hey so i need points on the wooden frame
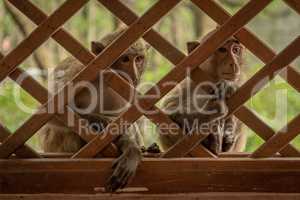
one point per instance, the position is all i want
(209, 174)
(192, 196)
(178, 175)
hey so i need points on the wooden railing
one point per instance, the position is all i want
(208, 173)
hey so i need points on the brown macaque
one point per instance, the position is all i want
(55, 137)
(201, 107)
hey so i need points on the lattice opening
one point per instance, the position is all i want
(296, 64)
(148, 130)
(251, 66)
(45, 7)
(86, 30)
(296, 142)
(186, 20)
(20, 104)
(139, 7)
(232, 6)
(277, 101)
(152, 76)
(253, 139)
(11, 41)
(279, 36)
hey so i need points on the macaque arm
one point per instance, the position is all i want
(229, 131)
(125, 166)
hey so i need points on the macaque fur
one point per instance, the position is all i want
(55, 137)
(224, 66)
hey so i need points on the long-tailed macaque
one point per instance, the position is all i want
(192, 105)
(55, 137)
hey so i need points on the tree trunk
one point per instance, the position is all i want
(24, 27)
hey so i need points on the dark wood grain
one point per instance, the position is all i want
(156, 175)
(136, 196)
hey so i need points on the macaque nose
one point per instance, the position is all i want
(235, 51)
(234, 68)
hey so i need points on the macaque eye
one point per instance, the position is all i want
(139, 59)
(125, 59)
(236, 50)
(222, 50)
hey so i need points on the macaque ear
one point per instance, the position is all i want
(97, 47)
(192, 45)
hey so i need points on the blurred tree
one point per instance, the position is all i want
(24, 27)
(198, 18)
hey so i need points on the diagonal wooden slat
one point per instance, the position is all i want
(184, 145)
(219, 15)
(158, 117)
(192, 141)
(265, 54)
(24, 151)
(267, 73)
(257, 125)
(199, 55)
(41, 94)
(160, 44)
(85, 134)
(263, 130)
(163, 46)
(37, 90)
(252, 86)
(260, 49)
(30, 85)
(255, 45)
(26, 7)
(38, 36)
(102, 61)
(61, 36)
(295, 4)
(278, 141)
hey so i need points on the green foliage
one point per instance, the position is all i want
(10, 113)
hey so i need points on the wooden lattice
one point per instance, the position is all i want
(193, 173)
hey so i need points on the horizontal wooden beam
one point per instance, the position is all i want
(153, 176)
(130, 196)
(155, 155)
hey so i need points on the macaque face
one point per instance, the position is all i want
(131, 64)
(225, 63)
(227, 60)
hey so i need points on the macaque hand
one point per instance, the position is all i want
(226, 89)
(220, 110)
(228, 141)
(124, 169)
